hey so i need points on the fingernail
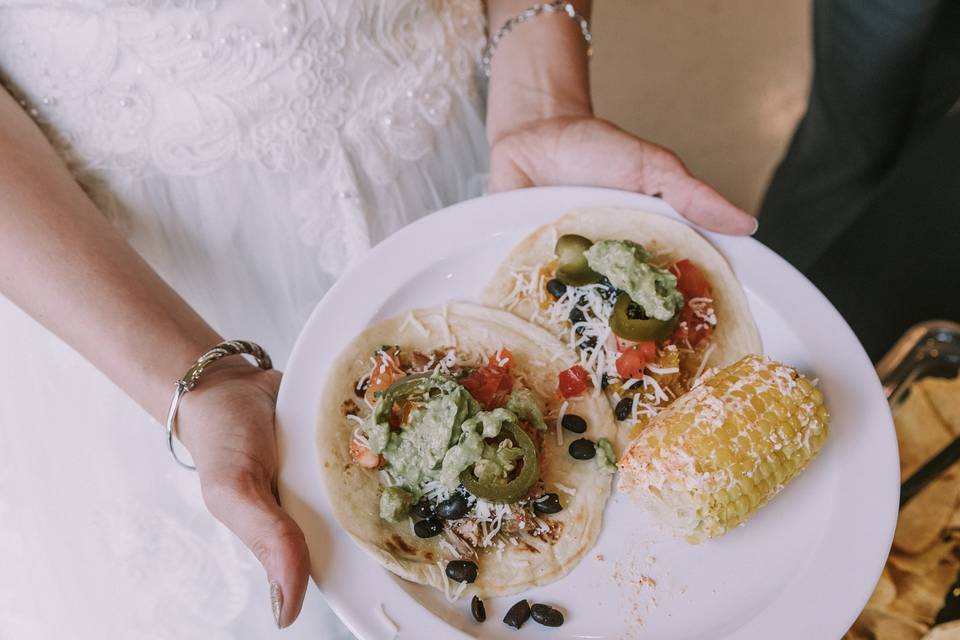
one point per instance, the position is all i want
(756, 225)
(276, 602)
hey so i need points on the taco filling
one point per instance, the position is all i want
(642, 324)
(457, 448)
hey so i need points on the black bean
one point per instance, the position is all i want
(624, 408)
(453, 508)
(582, 449)
(422, 508)
(462, 570)
(556, 288)
(518, 614)
(548, 503)
(428, 528)
(546, 615)
(477, 609)
(361, 387)
(604, 381)
(573, 422)
(576, 315)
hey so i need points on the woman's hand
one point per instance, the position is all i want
(227, 424)
(542, 130)
(584, 150)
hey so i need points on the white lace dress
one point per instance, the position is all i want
(250, 150)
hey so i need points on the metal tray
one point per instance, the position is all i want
(928, 349)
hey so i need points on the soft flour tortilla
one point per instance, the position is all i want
(539, 357)
(736, 334)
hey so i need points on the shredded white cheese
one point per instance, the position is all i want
(662, 371)
(703, 362)
(500, 511)
(459, 591)
(445, 580)
(564, 488)
(563, 412)
(446, 325)
(449, 548)
(411, 320)
(649, 382)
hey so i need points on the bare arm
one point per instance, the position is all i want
(539, 70)
(542, 129)
(65, 265)
(62, 262)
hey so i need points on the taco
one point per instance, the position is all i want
(647, 303)
(443, 454)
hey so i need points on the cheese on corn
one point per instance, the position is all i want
(707, 462)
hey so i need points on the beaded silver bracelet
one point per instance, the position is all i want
(557, 6)
(190, 379)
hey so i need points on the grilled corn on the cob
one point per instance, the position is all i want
(722, 450)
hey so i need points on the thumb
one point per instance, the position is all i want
(505, 173)
(702, 205)
(247, 505)
(664, 173)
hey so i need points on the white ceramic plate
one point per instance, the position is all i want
(801, 568)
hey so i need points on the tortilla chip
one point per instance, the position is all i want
(885, 592)
(925, 516)
(944, 396)
(858, 632)
(940, 554)
(881, 624)
(921, 433)
(945, 631)
(920, 597)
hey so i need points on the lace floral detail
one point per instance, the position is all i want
(198, 578)
(337, 92)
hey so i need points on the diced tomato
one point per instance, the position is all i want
(400, 415)
(490, 386)
(385, 370)
(648, 349)
(633, 361)
(690, 280)
(501, 358)
(379, 381)
(691, 329)
(573, 381)
(364, 457)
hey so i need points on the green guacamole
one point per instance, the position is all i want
(395, 503)
(443, 435)
(605, 458)
(521, 402)
(497, 462)
(413, 454)
(471, 449)
(625, 265)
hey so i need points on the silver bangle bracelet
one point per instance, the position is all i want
(557, 6)
(189, 380)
